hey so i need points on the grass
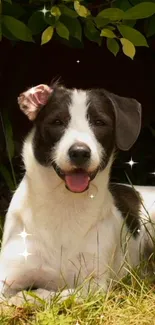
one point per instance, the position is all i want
(127, 304)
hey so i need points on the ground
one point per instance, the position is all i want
(126, 304)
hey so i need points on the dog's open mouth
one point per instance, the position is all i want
(77, 180)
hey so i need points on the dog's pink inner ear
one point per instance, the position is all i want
(32, 100)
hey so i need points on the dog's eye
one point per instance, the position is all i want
(57, 122)
(98, 123)
(94, 121)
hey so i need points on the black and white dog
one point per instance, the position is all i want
(66, 223)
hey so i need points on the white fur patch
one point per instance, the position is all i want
(78, 131)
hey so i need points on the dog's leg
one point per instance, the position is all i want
(13, 279)
(39, 296)
(17, 272)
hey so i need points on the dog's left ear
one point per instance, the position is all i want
(127, 120)
(32, 100)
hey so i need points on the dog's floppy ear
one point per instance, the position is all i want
(31, 101)
(127, 120)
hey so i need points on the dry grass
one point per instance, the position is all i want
(132, 304)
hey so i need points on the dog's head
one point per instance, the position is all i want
(76, 131)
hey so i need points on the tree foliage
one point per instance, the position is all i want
(120, 24)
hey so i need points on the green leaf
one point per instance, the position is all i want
(62, 30)
(9, 1)
(101, 22)
(49, 19)
(112, 46)
(142, 10)
(9, 137)
(17, 28)
(112, 14)
(91, 32)
(111, 27)
(107, 33)
(73, 25)
(150, 30)
(152, 130)
(36, 23)
(136, 2)
(47, 35)
(14, 9)
(7, 34)
(132, 35)
(67, 11)
(81, 10)
(128, 48)
(55, 11)
(130, 23)
(7, 177)
(122, 4)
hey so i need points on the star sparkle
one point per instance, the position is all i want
(131, 163)
(24, 234)
(78, 61)
(44, 11)
(25, 254)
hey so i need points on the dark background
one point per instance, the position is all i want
(23, 65)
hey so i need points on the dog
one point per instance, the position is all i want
(66, 222)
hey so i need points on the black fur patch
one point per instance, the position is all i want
(102, 121)
(48, 132)
(128, 201)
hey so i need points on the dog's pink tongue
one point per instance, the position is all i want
(77, 181)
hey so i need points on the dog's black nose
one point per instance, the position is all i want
(79, 154)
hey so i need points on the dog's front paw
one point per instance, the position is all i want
(39, 296)
(20, 299)
(30, 297)
(65, 294)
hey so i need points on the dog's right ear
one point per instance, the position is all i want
(31, 101)
(127, 113)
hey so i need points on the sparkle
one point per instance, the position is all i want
(138, 230)
(25, 254)
(44, 11)
(153, 173)
(131, 163)
(92, 196)
(78, 61)
(23, 234)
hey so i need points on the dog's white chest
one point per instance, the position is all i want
(57, 240)
(69, 239)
